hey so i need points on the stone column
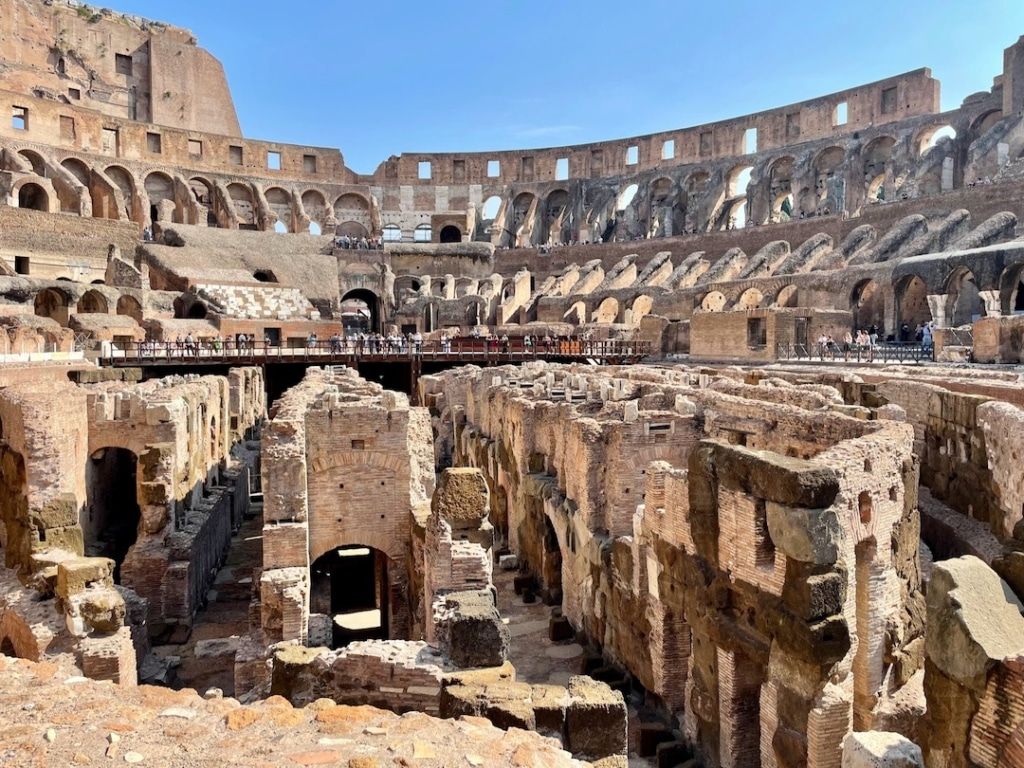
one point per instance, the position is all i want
(937, 305)
(993, 304)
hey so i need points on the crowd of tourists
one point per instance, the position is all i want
(861, 341)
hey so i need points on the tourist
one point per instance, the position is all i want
(847, 344)
(822, 345)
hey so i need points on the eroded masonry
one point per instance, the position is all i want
(701, 448)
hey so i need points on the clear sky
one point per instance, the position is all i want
(383, 77)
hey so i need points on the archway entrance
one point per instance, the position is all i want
(964, 304)
(868, 306)
(450, 234)
(350, 584)
(33, 197)
(111, 523)
(360, 311)
(912, 305)
(54, 304)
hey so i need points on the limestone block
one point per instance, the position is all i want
(974, 620)
(595, 725)
(807, 535)
(76, 574)
(461, 498)
(880, 749)
(470, 630)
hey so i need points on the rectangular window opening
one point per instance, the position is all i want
(668, 150)
(273, 161)
(195, 148)
(21, 265)
(358, 445)
(19, 118)
(154, 143)
(764, 547)
(111, 141)
(309, 163)
(235, 155)
(839, 114)
(562, 169)
(423, 169)
(122, 64)
(750, 141)
(74, 94)
(632, 155)
(493, 169)
(757, 333)
(793, 125)
(526, 168)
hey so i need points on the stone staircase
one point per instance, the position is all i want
(259, 302)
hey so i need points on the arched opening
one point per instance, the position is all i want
(450, 234)
(738, 181)
(245, 210)
(360, 311)
(265, 276)
(130, 306)
(280, 204)
(314, 229)
(7, 648)
(124, 181)
(488, 213)
(607, 311)
(202, 192)
(474, 313)
(964, 304)
(752, 298)
(33, 197)
(983, 124)
(829, 184)
(36, 161)
(422, 234)
(912, 305)
(780, 189)
(1011, 290)
(93, 302)
(867, 304)
(523, 210)
(351, 229)
(110, 525)
(160, 189)
(932, 136)
(197, 311)
(640, 308)
(391, 233)
(713, 302)
(354, 208)
(625, 198)
(83, 175)
(53, 303)
(557, 221)
(315, 206)
(576, 314)
(787, 297)
(877, 155)
(350, 584)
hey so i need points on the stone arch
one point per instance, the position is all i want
(876, 158)
(352, 584)
(125, 182)
(16, 638)
(361, 299)
(33, 197)
(867, 305)
(984, 122)
(786, 297)
(780, 189)
(352, 229)
(450, 234)
(929, 137)
(1011, 290)
(129, 306)
(93, 302)
(752, 298)
(626, 197)
(110, 524)
(475, 312)
(54, 303)
(912, 302)
(639, 308)
(576, 314)
(963, 301)
(714, 301)
(245, 207)
(35, 160)
(279, 202)
(78, 169)
(352, 207)
(202, 192)
(315, 206)
(159, 189)
(557, 218)
(607, 311)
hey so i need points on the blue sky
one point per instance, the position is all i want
(380, 78)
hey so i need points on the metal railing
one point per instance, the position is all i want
(346, 351)
(883, 352)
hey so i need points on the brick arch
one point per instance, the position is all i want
(16, 633)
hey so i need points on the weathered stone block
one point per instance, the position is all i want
(76, 574)
(807, 535)
(595, 720)
(879, 749)
(461, 498)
